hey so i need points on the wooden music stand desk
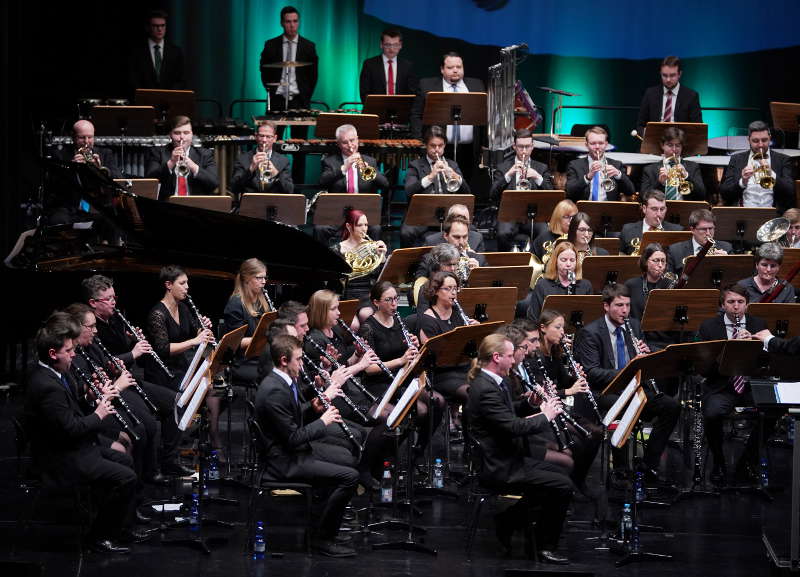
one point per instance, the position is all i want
(738, 223)
(786, 117)
(286, 208)
(578, 310)
(458, 346)
(528, 205)
(610, 215)
(507, 258)
(402, 264)
(431, 209)
(718, 271)
(497, 303)
(348, 310)
(259, 341)
(695, 137)
(124, 120)
(603, 270)
(498, 276)
(169, 103)
(678, 211)
(664, 237)
(215, 202)
(366, 125)
(146, 187)
(783, 319)
(791, 256)
(331, 207)
(389, 108)
(678, 310)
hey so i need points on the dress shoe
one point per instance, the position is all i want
(551, 557)
(718, 475)
(136, 535)
(330, 548)
(107, 546)
(504, 532)
(142, 519)
(176, 469)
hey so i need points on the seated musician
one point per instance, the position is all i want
(758, 177)
(723, 393)
(702, 224)
(654, 176)
(500, 425)
(792, 237)
(365, 254)
(442, 257)
(519, 173)
(64, 442)
(475, 239)
(558, 227)
(387, 73)
(262, 170)
(289, 424)
(431, 174)
(581, 234)
(556, 279)
(595, 177)
(654, 209)
(182, 169)
(768, 259)
(603, 348)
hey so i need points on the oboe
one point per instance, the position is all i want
(103, 376)
(365, 346)
(137, 334)
(121, 369)
(460, 311)
(576, 372)
(99, 396)
(550, 388)
(348, 401)
(336, 364)
(639, 351)
(327, 404)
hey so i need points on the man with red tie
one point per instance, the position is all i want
(386, 73)
(669, 101)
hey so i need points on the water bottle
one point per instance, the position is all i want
(260, 542)
(790, 431)
(213, 466)
(194, 512)
(764, 473)
(626, 523)
(438, 474)
(634, 541)
(386, 483)
(639, 487)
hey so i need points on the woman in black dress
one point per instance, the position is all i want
(556, 279)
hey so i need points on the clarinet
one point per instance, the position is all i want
(121, 368)
(197, 314)
(336, 364)
(460, 311)
(327, 404)
(628, 329)
(364, 345)
(99, 396)
(406, 334)
(103, 376)
(137, 334)
(550, 389)
(559, 425)
(574, 366)
(269, 301)
(348, 401)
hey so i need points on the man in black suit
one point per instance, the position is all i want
(587, 176)
(669, 101)
(723, 393)
(702, 224)
(654, 176)
(507, 176)
(182, 169)
(603, 348)
(741, 186)
(475, 239)
(778, 345)
(64, 441)
(654, 209)
(377, 71)
(246, 176)
(290, 424)
(156, 63)
(501, 427)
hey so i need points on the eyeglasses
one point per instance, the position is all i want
(450, 289)
(111, 299)
(390, 300)
(91, 326)
(567, 216)
(391, 44)
(705, 229)
(584, 229)
(657, 260)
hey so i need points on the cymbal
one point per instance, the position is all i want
(287, 64)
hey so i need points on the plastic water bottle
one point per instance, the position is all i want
(386, 483)
(638, 485)
(626, 523)
(213, 466)
(260, 542)
(764, 473)
(438, 474)
(194, 512)
(634, 540)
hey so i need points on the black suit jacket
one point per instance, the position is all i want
(332, 179)
(593, 350)
(204, 183)
(713, 329)
(680, 250)
(306, 75)
(499, 183)
(686, 106)
(650, 179)
(784, 346)
(142, 72)
(579, 189)
(783, 193)
(243, 181)
(632, 230)
(434, 84)
(373, 78)
(420, 168)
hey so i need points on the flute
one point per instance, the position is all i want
(99, 396)
(137, 334)
(576, 371)
(336, 364)
(327, 404)
(121, 369)
(103, 376)
(365, 346)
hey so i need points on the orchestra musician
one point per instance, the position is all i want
(156, 63)
(475, 238)
(654, 176)
(669, 101)
(581, 235)
(748, 171)
(355, 246)
(558, 227)
(442, 257)
(557, 278)
(595, 177)
(792, 237)
(653, 264)
(768, 259)
(654, 210)
(387, 73)
(182, 169)
(702, 224)
(502, 429)
(262, 170)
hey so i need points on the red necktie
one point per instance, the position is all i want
(668, 107)
(390, 79)
(351, 179)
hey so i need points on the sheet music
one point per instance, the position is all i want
(195, 378)
(788, 393)
(198, 354)
(616, 408)
(620, 434)
(387, 396)
(190, 411)
(410, 392)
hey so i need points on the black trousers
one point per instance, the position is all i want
(113, 484)
(164, 400)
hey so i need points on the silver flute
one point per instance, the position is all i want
(365, 346)
(336, 364)
(576, 371)
(99, 396)
(103, 376)
(121, 368)
(137, 334)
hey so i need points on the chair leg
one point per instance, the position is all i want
(309, 512)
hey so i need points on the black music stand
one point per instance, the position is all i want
(786, 117)
(719, 271)
(607, 269)
(528, 206)
(402, 264)
(124, 120)
(695, 136)
(499, 276)
(455, 108)
(366, 125)
(431, 209)
(489, 304)
(285, 208)
(146, 187)
(391, 109)
(331, 207)
(579, 310)
(739, 224)
(678, 211)
(168, 103)
(610, 215)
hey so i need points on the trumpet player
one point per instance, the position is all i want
(656, 175)
(181, 168)
(702, 224)
(595, 177)
(758, 177)
(654, 211)
(262, 169)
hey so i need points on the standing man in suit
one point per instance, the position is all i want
(702, 224)
(386, 73)
(199, 172)
(585, 175)
(604, 347)
(654, 209)
(654, 176)
(246, 176)
(740, 185)
(156, 63)
(723, 393)
(669, 101)
(290, 424)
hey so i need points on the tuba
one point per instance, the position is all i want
(762, 173)
(363, 259)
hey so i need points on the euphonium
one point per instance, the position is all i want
(523, 183)
(675, 177)
(762, 172)
(265, 177)
(364, 258)
(181, 167)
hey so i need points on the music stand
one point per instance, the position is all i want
(499, 276)
(146, 187)
(402, 264)
(786, 117)
(740, 224)
(718, 271)
(331, 207)
(616, 269)
(507, 258)
(578, 310)
(791, 258)
(431, 209)
(678, 211)
(610, 215)
(169, 103)
(124, 120)
(779, 317)
(348, 310)
(664, 237)
(259, 340)
(366, 125)
(390, 109)
(215, 202)
(528, 206)
(286, 208)
(668, 310)
(695, 137)
(455, 108)
(493, 303)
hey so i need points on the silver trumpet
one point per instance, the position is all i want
(78, 372)
(181, 167)
(451, 183)
(265, 177)
(139, 336)
(523, 182)
(608, 183)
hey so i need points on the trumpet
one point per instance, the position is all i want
(451, 183)
(265, 176)
(366, 172)
(608, 183)
(523, 183)
(181, 167)
(675, 175)
(762, 172)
